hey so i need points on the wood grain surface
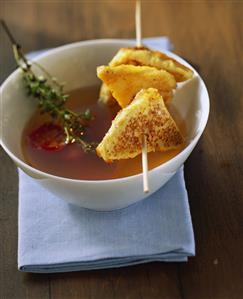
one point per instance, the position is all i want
(207, 33)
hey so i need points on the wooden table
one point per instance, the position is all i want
(206, 33)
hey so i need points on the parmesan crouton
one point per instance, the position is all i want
(143, 56)
(146, 115)
(125, 81)
(105, 96)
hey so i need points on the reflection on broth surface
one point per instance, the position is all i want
(70, 161)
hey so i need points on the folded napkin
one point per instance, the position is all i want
(55, 236)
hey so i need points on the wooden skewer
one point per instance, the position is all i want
(145, 165)
(138, 23)
(144, 141)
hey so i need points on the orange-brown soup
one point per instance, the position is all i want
(71, 161)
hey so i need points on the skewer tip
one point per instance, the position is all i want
(145, 165)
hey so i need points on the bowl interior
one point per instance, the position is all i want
(75, 65)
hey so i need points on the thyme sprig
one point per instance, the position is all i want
(51, 98)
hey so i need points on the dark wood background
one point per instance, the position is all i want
(208, 33)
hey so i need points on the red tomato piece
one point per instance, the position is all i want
(49, 137)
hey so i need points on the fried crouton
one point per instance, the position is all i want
(125, 81)
(105, 96)
(146, 115)
(146, 57)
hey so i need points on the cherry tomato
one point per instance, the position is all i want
(49, 137)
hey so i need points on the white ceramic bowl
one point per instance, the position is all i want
(76, 65)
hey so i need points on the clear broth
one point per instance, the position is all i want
(71, 161)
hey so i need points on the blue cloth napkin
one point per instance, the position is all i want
(55, 236)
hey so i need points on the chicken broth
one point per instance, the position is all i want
(70, 160)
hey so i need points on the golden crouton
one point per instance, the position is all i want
(143, 56)
(146, 115)
(125, 81)
(105, 96)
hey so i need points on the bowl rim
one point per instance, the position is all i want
(45, 175)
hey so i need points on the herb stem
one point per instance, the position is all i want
(51, 100)
(47, 73)
(16, 47)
